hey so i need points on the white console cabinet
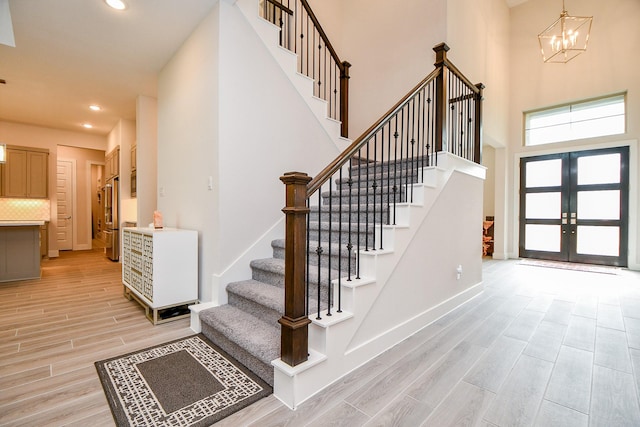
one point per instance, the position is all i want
(160, 270)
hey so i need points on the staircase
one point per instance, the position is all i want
(391, 223)
(247, 327)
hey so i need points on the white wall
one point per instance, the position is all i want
(608, 66)
(489, 189)
(390, 47)
(219, 116)
(425, 276)
(478, 35)
(188, 141)
(146, 159)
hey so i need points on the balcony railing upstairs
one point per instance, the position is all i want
(334, 217)
(301, 33)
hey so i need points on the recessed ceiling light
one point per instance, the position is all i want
(87, 125)
(95, 107)
(116, 4)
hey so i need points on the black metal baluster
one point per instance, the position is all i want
(375, 218)
(340, 246)
(350, 212)
(469, 127)
(388, 172)
(418, 136)
(308, 260)
(461, 114)
(336, 73)
(295, 29)
(319, 251)
(324, 70)
(395, 169)
(308, 48)
(366, 204)
(329, 244)
(404, 132)
(374, 187)
(401, 159)
(358, 198)
(413, 142)
(429, 135)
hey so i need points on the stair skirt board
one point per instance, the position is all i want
(294, 385)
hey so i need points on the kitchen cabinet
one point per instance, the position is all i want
(134, 160)
(19, 250)
(25, 174)
(160, 270)
(112, 163)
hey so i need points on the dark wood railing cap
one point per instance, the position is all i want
(441, 50)
(295, 178)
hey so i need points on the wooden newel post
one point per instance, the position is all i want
(441, 98)
(294, 336)
(344, 99)
(477, 149)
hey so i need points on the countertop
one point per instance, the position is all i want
(21, 223)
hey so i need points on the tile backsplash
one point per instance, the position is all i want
(24, 209)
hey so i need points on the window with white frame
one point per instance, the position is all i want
(586, 119)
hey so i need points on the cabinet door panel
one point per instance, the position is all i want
(16, 173)
(37, 174)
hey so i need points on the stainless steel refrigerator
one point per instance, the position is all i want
(112, 231)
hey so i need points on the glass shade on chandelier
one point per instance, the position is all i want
(566, 38)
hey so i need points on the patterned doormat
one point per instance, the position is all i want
(571, 266)
(187, 382)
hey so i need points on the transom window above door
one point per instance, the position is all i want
(579, 120)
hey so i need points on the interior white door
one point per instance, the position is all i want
(64, 190)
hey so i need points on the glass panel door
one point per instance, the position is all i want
(573, 206)
(543, 206)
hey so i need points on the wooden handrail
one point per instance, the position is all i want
(461, 76)
(325, 39)
(337, 163)
(280, 6)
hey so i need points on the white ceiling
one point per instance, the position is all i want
(73, 53)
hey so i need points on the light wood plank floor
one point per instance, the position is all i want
(539, 347)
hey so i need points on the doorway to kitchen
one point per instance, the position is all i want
(574, 206)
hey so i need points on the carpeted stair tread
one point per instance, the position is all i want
(267, 295)
(275, 267)
(257, 337)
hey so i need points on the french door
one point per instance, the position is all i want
(574, 206)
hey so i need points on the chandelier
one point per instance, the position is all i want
(566, 38)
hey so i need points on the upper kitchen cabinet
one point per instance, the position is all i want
(25, 174)
(112, 163)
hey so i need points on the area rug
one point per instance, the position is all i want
(571, 266)
(187, 382)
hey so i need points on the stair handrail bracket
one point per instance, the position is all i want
(346, 209)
